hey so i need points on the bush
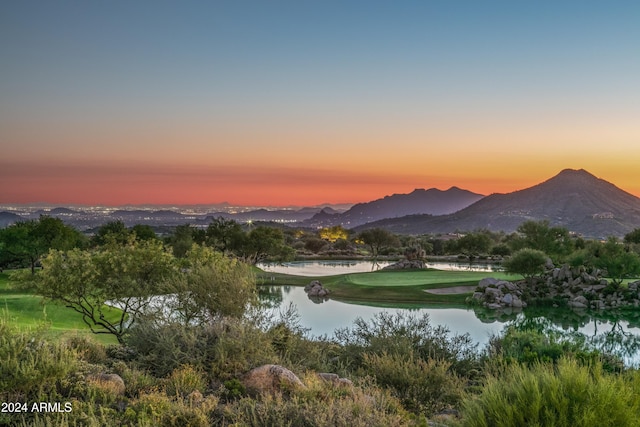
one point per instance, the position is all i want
(224, 349)
(565, 394)
(423, 387)
(184, 381)
(319, 404)
(407, 336)
(31, 366)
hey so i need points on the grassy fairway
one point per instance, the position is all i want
(390, 286)
(29, 310)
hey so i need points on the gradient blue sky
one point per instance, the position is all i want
(296, 102)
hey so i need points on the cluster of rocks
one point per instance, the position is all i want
(498, 294)
(316, 292)
(406, 264)
(272, 379)
(577, 287)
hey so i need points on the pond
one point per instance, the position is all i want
(618, 333)
(333, 267)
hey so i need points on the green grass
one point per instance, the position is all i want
(389, 286)
(27, 310)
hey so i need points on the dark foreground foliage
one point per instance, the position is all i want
(404, 371)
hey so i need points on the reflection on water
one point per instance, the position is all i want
(330, 268)
(323, 268)
(616, 332)
(325, 318)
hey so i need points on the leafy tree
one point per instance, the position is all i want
(554, 241)
(225, 235)
(264, 242)
(211, 285)
(619, 261)
(334, 233)
(182, 240)
(501, 250)
(111, 232)
(314, 244)
(526, 262)
(144, 232)
(29, 241)
(377, 238)
(633, 236)
(474, 243)
(124, 276)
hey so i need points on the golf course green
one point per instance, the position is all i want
(403, 286)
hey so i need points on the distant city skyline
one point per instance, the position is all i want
(302, 103)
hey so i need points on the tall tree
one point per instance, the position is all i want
(225, 235)
(211, 285)
(182, 240)
(473, 244)
(264, 242)
(112, 231)
(378, 238)
(619, 262)
(144, 232)
(554, 241)
(29, 241)
(124, 276)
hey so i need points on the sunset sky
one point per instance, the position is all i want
(306, 102)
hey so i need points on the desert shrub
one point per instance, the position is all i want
(137, 381)
(157, 409)
(297, 351)
(184, 381)
(532, 346)
(564, 394)
(423, 387)
(232, 389)
(88, 349)
(31, 366)
(103, 393)
(407, 336)
(319, 404)
(224, 349)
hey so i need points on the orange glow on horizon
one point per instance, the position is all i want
(266, 186)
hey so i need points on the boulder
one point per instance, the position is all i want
(487, 281)
(271, 379)
(335, 380)
(315, 289)
(507, 299)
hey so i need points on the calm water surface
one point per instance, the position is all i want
(618, 333)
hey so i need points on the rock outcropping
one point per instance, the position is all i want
(316, 292)
(575, 287)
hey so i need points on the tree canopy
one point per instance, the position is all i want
(378, 238)
(539, 235)
(123, 276)
(526, 262)
(29, 241)
(619, 262)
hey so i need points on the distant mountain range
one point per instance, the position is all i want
(574, 199)
(419, 201)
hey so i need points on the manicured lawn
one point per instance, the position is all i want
(389, 286)
(29, 311)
